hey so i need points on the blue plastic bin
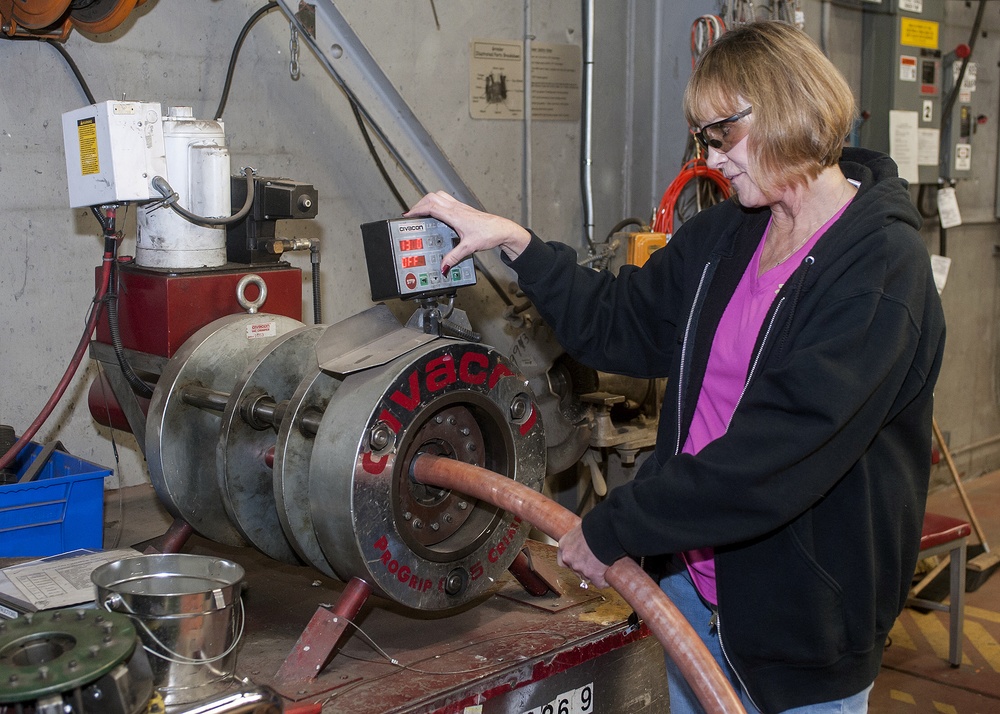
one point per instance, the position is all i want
(61, 510)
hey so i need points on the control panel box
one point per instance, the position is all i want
(902, 87)
(113, 151)
(404, 259)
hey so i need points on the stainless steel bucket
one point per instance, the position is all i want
(188, 612)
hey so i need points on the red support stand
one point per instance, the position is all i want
(532, 577)
(172, 541)
(316, 645)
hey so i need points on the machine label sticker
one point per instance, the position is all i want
(907, 68)
(918, 33)
(575, 701)
(86, 129)
(258, 330)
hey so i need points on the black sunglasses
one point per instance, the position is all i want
(719, 135)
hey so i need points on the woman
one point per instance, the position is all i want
(802, 335)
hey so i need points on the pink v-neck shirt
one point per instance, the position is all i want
(726, 372)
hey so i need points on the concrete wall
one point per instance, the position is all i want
(176, 53)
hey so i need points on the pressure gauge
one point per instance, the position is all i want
(404, 259)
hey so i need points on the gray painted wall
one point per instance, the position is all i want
(176, 53)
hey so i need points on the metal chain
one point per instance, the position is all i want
(293, 49)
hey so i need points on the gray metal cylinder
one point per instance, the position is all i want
(309, 464)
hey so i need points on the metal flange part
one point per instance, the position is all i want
(182, 437)
(244, 464)
(292, 456)
(56, 651)
(424, 548)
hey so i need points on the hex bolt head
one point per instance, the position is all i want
(519, 407)
(380, 437)
(435, 526)
(417, 523)
(462, 505)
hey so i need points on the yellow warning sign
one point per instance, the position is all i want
(86, 129)
(918, 33)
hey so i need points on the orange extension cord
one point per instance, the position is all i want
(694, 169)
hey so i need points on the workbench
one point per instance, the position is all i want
(509, 653)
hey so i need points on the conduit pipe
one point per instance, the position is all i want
(678, 638)
(586, 176)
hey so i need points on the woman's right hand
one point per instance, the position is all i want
(476, 230)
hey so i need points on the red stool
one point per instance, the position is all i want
(945, 535)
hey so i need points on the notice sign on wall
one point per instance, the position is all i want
(496, 80)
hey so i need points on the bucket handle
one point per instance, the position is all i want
(114, 600)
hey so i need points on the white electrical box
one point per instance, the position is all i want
(113, 151)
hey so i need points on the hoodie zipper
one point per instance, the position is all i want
(684, 354)
(754, 363)
(725, 655)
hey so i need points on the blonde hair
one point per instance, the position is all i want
(802, 106)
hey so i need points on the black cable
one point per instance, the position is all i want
(111, 296)
(622, 224)
(374, 154)
(317, 302)
(236, 52)
(953, 95)
(76, 70)
(170, 196)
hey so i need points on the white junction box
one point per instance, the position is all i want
(113, 151)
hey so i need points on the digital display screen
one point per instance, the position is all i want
(411, 244)
(413, 261)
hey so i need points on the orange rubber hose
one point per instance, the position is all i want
(673, 631)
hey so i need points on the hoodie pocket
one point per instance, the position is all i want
(802, 619)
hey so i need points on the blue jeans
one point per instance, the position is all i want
(681, 591)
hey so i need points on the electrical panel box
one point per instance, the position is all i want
(404, 258)
(902, 86)
(642, 244)
(956, 133)
(113, 151)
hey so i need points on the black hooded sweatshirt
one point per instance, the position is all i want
(814, 498)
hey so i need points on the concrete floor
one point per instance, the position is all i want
(915, 679)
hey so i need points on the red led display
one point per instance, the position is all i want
(414, 261)
(411, 244)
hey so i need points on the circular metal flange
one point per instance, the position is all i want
(245, 478)
(54, 651)
(365, 506)
(292, 456)
(434, 514)
(181, 439)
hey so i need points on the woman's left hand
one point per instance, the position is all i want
(574, 553)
